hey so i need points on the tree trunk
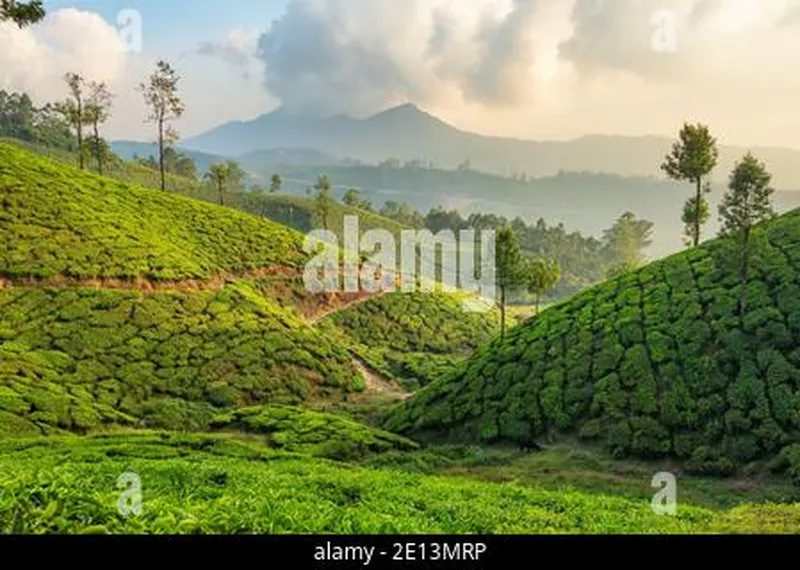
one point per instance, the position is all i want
(79, 128)
(161, 154)
(221, 193)
(502, 313)
(697, 211)
(97, 151)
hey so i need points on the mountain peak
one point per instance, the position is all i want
(404, 110)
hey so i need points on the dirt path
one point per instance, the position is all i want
(212, 283)
(377, 384)
(359, 300)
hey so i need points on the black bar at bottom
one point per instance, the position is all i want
(459, 552)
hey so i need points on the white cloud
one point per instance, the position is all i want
(358, 57)
(545, 69)
(238, 48)
(528, 68)
(35, 59)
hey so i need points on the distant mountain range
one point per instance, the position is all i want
(585, 183)
(408, 133)
(256, 161)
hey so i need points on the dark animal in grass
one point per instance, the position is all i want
(528, 446)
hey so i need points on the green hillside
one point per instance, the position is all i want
(146, 315)
(418, 337)
(58, 220)
(76, 359)
(655, 363)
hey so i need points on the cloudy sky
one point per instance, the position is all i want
(536, 69)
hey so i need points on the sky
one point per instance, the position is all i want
(532, 69)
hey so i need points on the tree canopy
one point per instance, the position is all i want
(21, 13)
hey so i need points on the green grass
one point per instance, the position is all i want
(227, 485)
(586, 468)
(77, 359)
(124, 171)
(313, 433)
(656, 363)
(58, 220)
(203, 484)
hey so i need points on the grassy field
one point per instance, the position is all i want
(222, 484)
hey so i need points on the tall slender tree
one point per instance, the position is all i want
(218, 175)
(692, 159)
(74, 111)
(324, 206)
(97, 112)
(275, 184)
(509, 269)
(746, 204)
(21, 13)
(543, 275)
(165, 105)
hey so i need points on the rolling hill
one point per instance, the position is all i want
(656, 363)
(123, 305)
(128, 306)
(131, 316)
(57, 220)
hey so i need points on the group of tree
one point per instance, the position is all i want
(515, 271)
(88, 106)
(746, 203)
(175, 162)
(226, 177)
(21, 119)
(584, 260)
(62, 124)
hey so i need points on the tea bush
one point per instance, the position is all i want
(75, 359)
(415, 336)
(212, 484)
(658, 362)
(56, 220)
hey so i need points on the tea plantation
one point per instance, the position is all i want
(656, 363)
(75, 359)
(419, 337)
(57, 220)
(216, 484)
(145, 332)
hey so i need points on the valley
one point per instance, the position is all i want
(156, 334)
